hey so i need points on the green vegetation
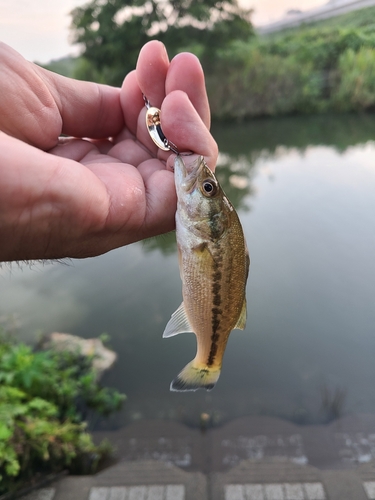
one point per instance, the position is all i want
(113, 32)
(66, 66)
(356, 90)
(323, 67)
(44, 400)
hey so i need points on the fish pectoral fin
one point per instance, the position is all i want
(179, 323)
(241, 323)
(203, 250)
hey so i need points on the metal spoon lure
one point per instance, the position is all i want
(155, 130)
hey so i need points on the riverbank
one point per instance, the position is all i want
(325, 67)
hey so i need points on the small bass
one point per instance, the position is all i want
(214, 265)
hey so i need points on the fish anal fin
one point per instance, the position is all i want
(179, 323)
(241, 322)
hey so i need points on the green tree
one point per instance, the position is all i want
(112, 32)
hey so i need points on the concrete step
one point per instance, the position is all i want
(270, 480)
(250, 458)
(141, 480)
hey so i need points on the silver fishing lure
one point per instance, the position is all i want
(154, 128)
(153, 125)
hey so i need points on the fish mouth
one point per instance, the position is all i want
(186, 175)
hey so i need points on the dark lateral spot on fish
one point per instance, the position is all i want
(218, 259)
(216, 287)
(213, 351)
(215, 324)
(216, 276)
(217, 299)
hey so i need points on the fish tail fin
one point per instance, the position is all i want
(195, 376)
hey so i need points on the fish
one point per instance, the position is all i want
(214, 266)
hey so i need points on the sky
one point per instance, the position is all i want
(39, 29)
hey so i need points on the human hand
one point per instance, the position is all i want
(75, 197)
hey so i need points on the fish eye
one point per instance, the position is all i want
(209, 188)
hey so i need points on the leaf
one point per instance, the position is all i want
(13, 467)
(5, 432)
(43, 407)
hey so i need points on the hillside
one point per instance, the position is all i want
(364, 18)
(327, 66)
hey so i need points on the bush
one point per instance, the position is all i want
(261, 84)
(356, 76)
(308, 69)
(44, 397)
(322, 47)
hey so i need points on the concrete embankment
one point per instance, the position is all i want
(331, 9)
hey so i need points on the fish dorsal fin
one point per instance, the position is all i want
(241, 323)
(179, 323)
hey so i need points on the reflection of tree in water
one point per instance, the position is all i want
(235, 175)
(333, 403)
(166, 243)
(242, 144)
(337, 131)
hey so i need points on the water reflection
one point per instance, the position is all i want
(333, 403)
(266, 135)
(304, 189)
(235, 175)
(166, 243)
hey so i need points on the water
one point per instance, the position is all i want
(304, 189)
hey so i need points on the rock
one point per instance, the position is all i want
(103, 358)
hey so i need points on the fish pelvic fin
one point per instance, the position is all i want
(194, 377)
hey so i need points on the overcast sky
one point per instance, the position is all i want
(39, 29)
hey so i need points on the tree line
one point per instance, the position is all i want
(329, 66)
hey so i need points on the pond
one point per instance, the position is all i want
(304, 190)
